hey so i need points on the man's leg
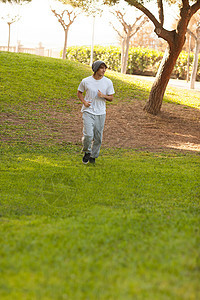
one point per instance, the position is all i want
(88, 132)
(98, 135)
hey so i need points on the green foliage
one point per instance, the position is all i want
(140, 59)
(15, 1)
(89, 7)
(180, 69)
(143, 61)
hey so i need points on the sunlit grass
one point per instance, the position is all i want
(135, 88)
(184, 97)
(38, 79)
(126, 228)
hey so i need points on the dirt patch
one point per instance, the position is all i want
(176, 127)
(127, 126)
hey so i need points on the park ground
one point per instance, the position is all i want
(176, 127)
(125, 228)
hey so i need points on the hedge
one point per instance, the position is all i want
(141, 61)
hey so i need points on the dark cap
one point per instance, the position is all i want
(96, 65)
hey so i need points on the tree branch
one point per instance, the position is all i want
(60, 18)
(160, 11)
(145, 11)
(139, 26)
(185, 2)
(120, 17)
(192, 34)
(159, 30)
(116, 30)
(195, 7)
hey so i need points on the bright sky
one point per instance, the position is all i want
(38, 24)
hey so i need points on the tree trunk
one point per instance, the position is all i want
(92, 43)
(122, 55)
(65, 45)
(168, 62)
(9, 36)
(188, 59)
(125, 63)
(195, 66)
(196, 58)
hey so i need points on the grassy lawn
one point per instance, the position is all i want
(126, 228)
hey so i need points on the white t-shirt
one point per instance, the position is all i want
(91, 86)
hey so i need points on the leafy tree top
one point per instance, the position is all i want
(90, 7)
(15, 1)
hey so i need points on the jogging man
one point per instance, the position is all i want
(98, 89)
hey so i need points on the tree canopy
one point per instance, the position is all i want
(90, 7)
(15, 1)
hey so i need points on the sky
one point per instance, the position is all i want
(39, 25)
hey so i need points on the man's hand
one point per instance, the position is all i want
(105, 97)
(87, 103)
(100, 94)
(80, 96)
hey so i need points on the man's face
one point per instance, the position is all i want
(101, 70)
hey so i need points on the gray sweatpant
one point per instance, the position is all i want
(93, 126)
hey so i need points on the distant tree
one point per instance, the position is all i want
(196, 54)
(10, 20)
(66, 18)
(146, 37)
(128, 31)
(90, 8)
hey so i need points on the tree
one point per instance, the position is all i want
(129, 30)
(10, 20)
(196, 54)
(146, 37)
(90, 8)
(66, 22)
(175, 41)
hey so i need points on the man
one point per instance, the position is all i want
(99, 89)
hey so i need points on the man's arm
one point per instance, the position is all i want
(80, 96)
(107, 97)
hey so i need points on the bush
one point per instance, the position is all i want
(180, 69)
(141, 61)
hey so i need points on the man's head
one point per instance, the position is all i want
(97, 65)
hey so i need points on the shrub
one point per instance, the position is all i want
(141, 61)
(180, 69)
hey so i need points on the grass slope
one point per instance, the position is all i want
(127, 228)
(25, 78)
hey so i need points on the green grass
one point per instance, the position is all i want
(130, 87)
(126, 228)
(36, 79)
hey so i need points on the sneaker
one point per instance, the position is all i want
(86, 158)
(92, 160)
